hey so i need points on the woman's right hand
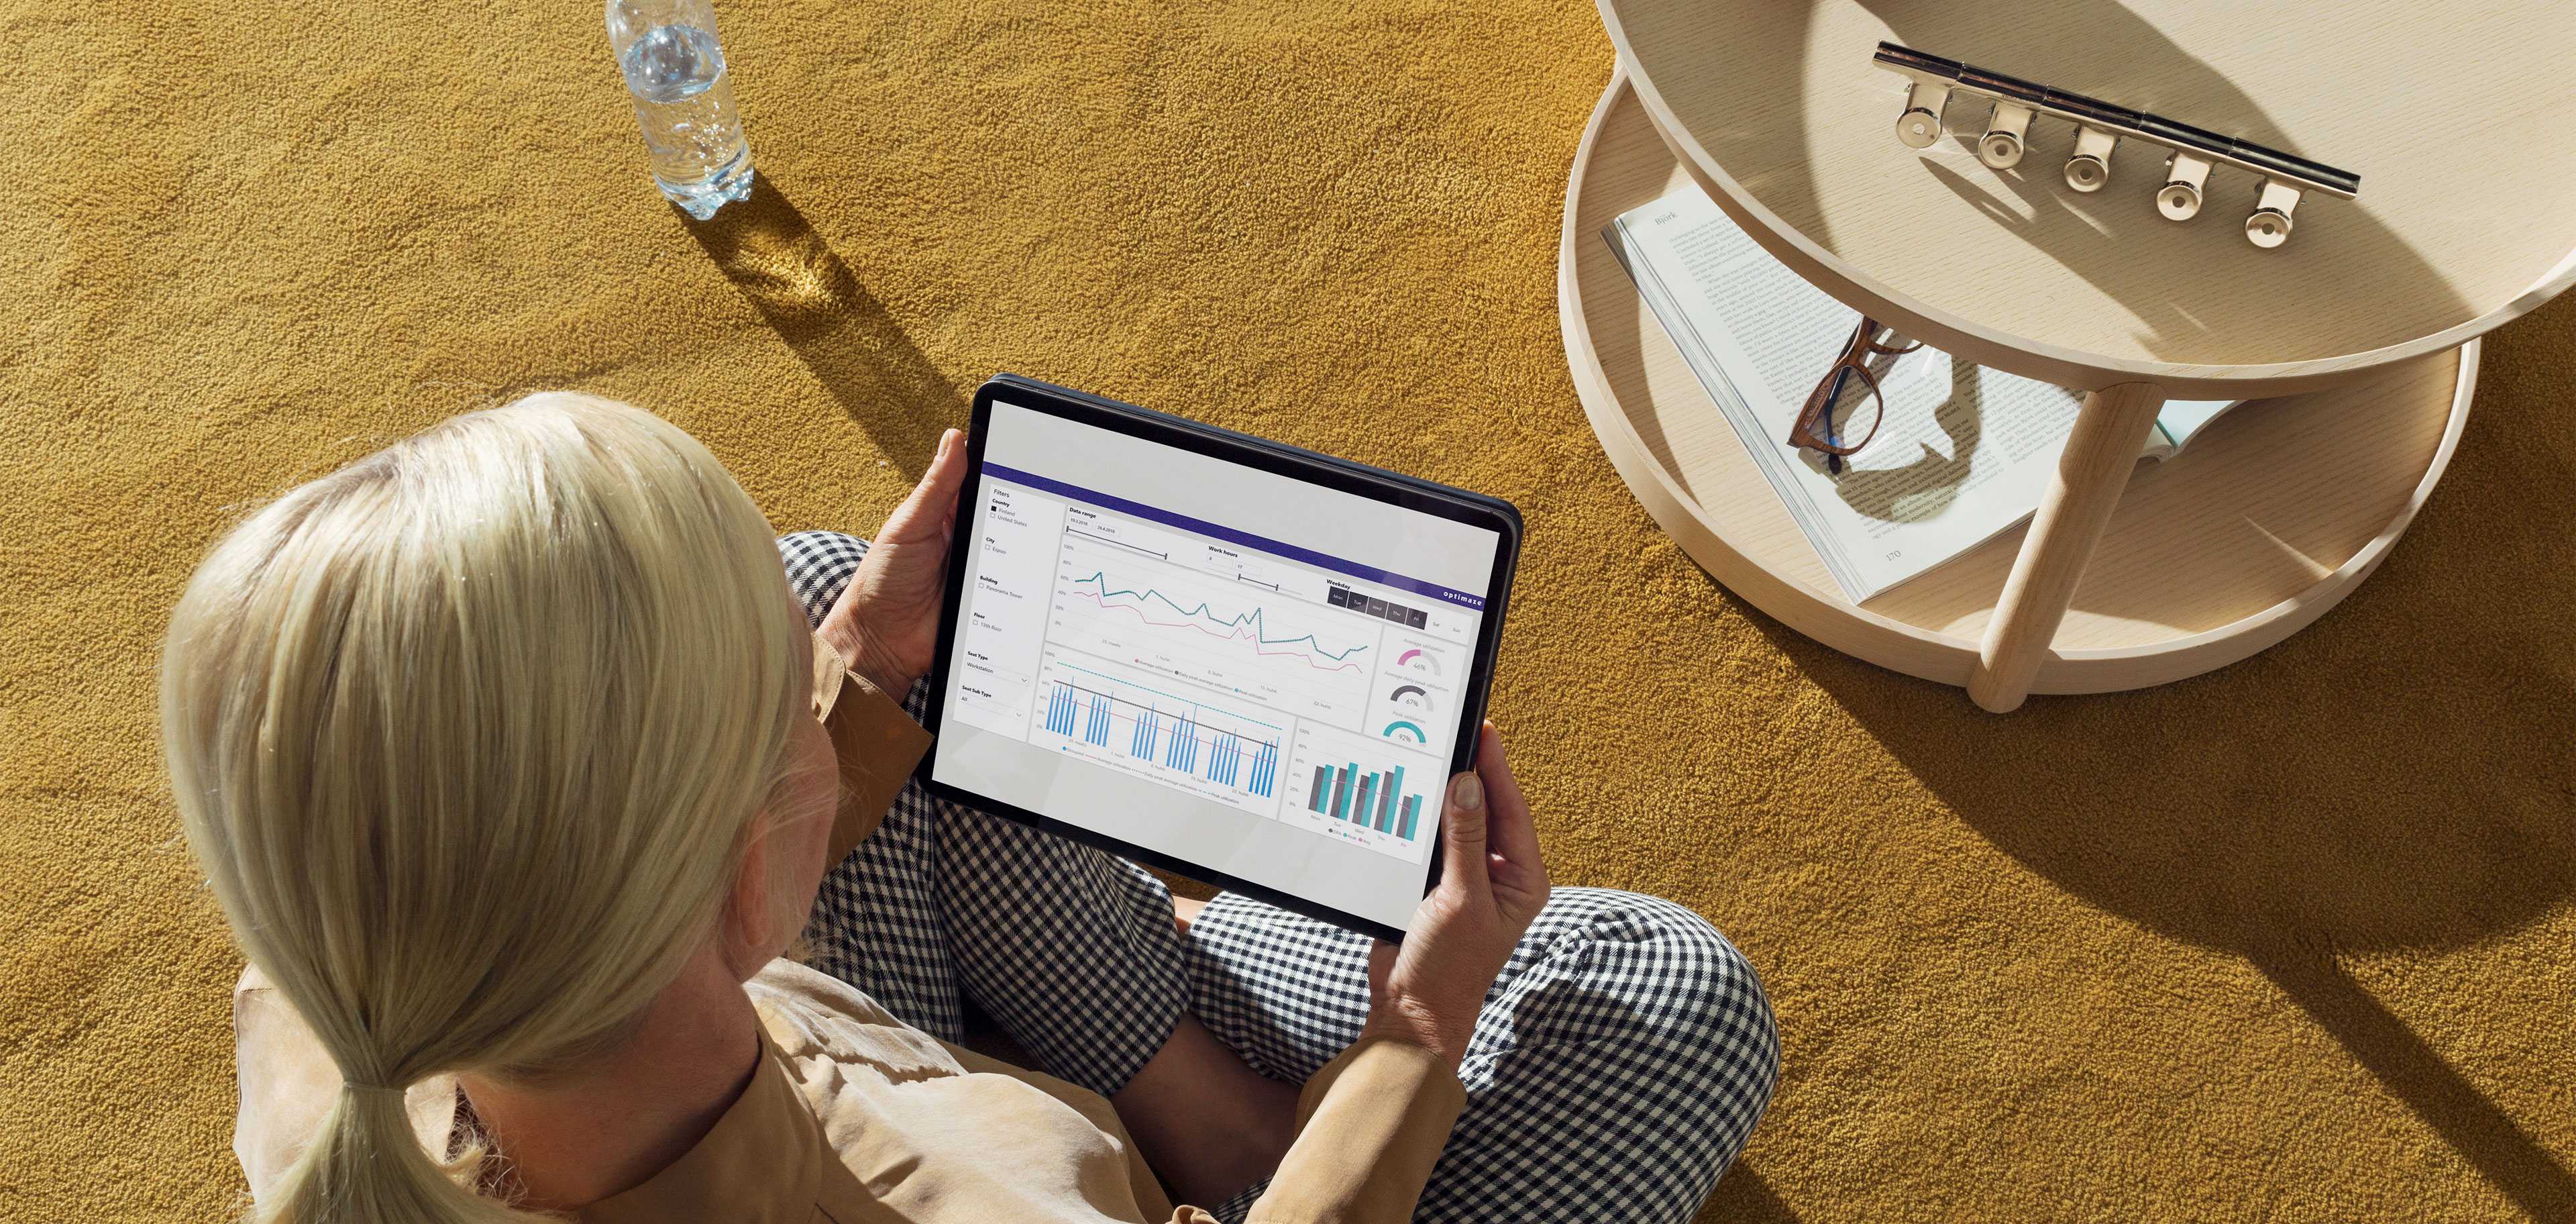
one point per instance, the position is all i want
(886, 623)
(1429, 989)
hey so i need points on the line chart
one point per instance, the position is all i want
(1243, 625)
(1237, 639)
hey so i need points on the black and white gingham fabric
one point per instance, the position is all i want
(1621, 1061)
(1073, 952)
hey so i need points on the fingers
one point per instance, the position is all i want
(932, 505)
(1462, 837)
(1509, 828)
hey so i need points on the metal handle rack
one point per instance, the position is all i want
(2100, 127)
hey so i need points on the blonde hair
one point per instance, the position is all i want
(469, 738)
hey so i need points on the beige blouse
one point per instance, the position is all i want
(855, 1116)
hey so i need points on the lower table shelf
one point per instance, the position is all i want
(2273, 514)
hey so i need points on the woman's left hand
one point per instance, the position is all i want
(886, 624)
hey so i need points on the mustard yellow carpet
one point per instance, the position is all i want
(2294, 941)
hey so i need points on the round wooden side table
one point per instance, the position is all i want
(2359, 333)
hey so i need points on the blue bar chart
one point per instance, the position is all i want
(1094, 712)
(1162, 731)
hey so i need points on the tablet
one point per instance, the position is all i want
(1234, 659)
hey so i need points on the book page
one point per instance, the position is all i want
(2180, 419)
(1963, 451)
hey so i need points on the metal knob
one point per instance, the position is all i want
(2267, 228)
(2002, 145)
(2090, 168)
(2270, 225)
(2185, 175)
(1920, 126)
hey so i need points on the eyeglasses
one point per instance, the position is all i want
(1849, 393)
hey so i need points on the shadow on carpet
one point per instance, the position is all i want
(831, 322)
(2365, 818)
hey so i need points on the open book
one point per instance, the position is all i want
(1964, 452)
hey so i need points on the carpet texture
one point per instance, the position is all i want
(2287, 942)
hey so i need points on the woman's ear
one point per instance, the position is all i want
(751, 915)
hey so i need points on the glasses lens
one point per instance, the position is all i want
(1855, 412)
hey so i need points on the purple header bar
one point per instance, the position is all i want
(1473, 603)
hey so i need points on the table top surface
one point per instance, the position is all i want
(2456, 119)
(2269, 516)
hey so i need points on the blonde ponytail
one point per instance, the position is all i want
(365, 1163)
(468, 738)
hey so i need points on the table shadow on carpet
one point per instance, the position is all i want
(2322, 840)
(842, 333)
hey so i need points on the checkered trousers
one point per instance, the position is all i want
(1621, 1060)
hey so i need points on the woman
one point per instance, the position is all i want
(516, 769)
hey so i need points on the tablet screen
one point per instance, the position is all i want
(1235, 668)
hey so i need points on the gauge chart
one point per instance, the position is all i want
(1417, 659)
(1415, 706)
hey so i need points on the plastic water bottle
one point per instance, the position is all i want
(675, 69)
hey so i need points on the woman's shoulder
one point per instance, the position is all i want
(811, 1015)
(965, 1129)
(833, 1035)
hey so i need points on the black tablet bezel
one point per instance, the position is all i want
(1377, 484)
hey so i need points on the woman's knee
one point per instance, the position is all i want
(1686, 979)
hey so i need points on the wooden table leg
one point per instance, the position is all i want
(2099, 456)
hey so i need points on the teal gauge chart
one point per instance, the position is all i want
(1404, 732)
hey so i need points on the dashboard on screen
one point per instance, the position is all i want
(1231, 667)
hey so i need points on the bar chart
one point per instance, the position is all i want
(1376, 800)
(1161, 730)
(1363, 789)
